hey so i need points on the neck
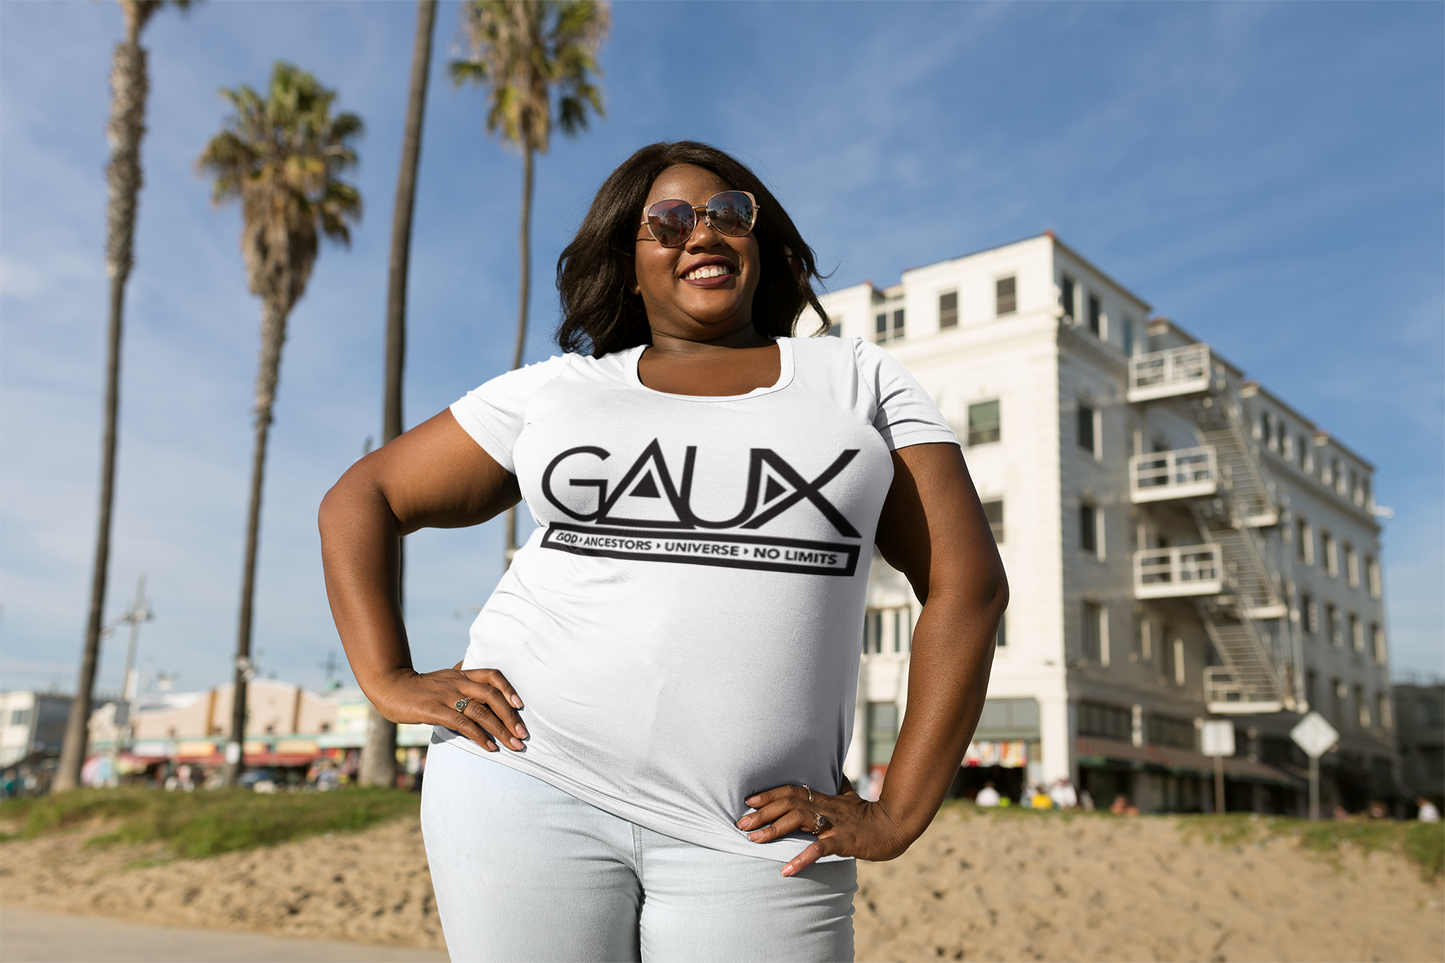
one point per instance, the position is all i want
(744, 337)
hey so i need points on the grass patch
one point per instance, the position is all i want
(1421, 843)
(200, 824)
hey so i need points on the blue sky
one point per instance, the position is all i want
(1268, 175)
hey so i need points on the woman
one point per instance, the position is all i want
(667, 673)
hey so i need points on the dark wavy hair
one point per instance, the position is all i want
(601, 314)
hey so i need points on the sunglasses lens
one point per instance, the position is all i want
(731, 213)
(671, 222)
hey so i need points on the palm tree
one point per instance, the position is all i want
(378, 758)
(280, 157)
(129, 90)
(526, 53)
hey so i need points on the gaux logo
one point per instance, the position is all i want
(649, 515)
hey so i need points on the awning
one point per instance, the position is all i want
(1094, 751)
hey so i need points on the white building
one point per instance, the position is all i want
(1180, 544)
(32, 725)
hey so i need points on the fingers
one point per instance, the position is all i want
(497, 681)
(809, 856)
(781, 811)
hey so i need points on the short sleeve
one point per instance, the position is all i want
(495, 413)
(906, 415)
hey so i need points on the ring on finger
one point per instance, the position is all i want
(818, 824)
(461, 705)
(810, 792)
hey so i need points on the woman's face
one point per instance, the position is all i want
(682, 291)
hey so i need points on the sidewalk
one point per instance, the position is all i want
(28, 936)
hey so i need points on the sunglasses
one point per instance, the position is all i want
(672, 222)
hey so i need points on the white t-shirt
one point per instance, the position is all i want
(684, 625)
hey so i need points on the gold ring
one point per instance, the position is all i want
(810, 792)
(462, 704)
(818, 822)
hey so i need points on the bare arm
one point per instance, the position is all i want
(932, 529)
(434, 476)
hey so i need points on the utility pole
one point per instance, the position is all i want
(139, 611)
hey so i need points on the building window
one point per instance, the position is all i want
(1332, 553)
(1377, 636)
(1352, 565)
(983, 423)
(1066, 297)
(1089, 529)
(883, 332)
(1362, 708)
(1143, 641)
(1308, 615)
(872, 632)
(1372, 571)
(1304, 541)
(1287, 447)
(1325, 475)
(1337, 700)
(1096, 317)
(993, 511)
(1332, 621)
(1111, 722)
(1383, 711)
(882, 732)
(1005, 296)
(1164, 731)
(1087, 439)
(20, 717)
(1357, 632)
(1302, 455)
(1312, 679)
(1127, 330)
(902, 630)
(1340, 486)
(1096, 633)
(948, 310)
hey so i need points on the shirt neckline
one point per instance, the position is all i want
(785, 376)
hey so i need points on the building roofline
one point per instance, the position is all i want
(1093, 267)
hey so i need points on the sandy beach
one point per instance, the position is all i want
(1002, 886)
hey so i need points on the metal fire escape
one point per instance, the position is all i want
(1230, 574)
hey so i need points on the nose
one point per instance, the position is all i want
(703, 236)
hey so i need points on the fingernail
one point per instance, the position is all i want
(756, 836)
(742, 823)
(491, 747)
(788, 870)
(753, 800)
(521, 731)
(516, 744)
(516, 702)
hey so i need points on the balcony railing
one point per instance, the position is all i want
(1185, 473)
(1175, 371)
(1163, 573)
(1226, 696)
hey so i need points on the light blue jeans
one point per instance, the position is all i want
(523, 871)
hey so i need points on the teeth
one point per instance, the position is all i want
(709, 271)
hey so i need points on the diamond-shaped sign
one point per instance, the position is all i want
(1314, 735)
(1216, 738)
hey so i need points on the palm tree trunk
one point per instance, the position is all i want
(378, 758)
(129, 88)
(526, 272)
(273, 336)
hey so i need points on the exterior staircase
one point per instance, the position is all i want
(1230, 513)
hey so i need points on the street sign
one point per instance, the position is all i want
(1314, 735)
(1216, 738)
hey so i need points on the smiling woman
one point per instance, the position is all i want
(686, 621)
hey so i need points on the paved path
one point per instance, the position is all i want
(28, 936)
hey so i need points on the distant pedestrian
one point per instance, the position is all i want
(1428, 812)
(1063, 795)
(1121, 807)
(988, 796)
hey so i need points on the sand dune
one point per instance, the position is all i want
(975, 887)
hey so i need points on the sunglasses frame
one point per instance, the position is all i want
(699, 209)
